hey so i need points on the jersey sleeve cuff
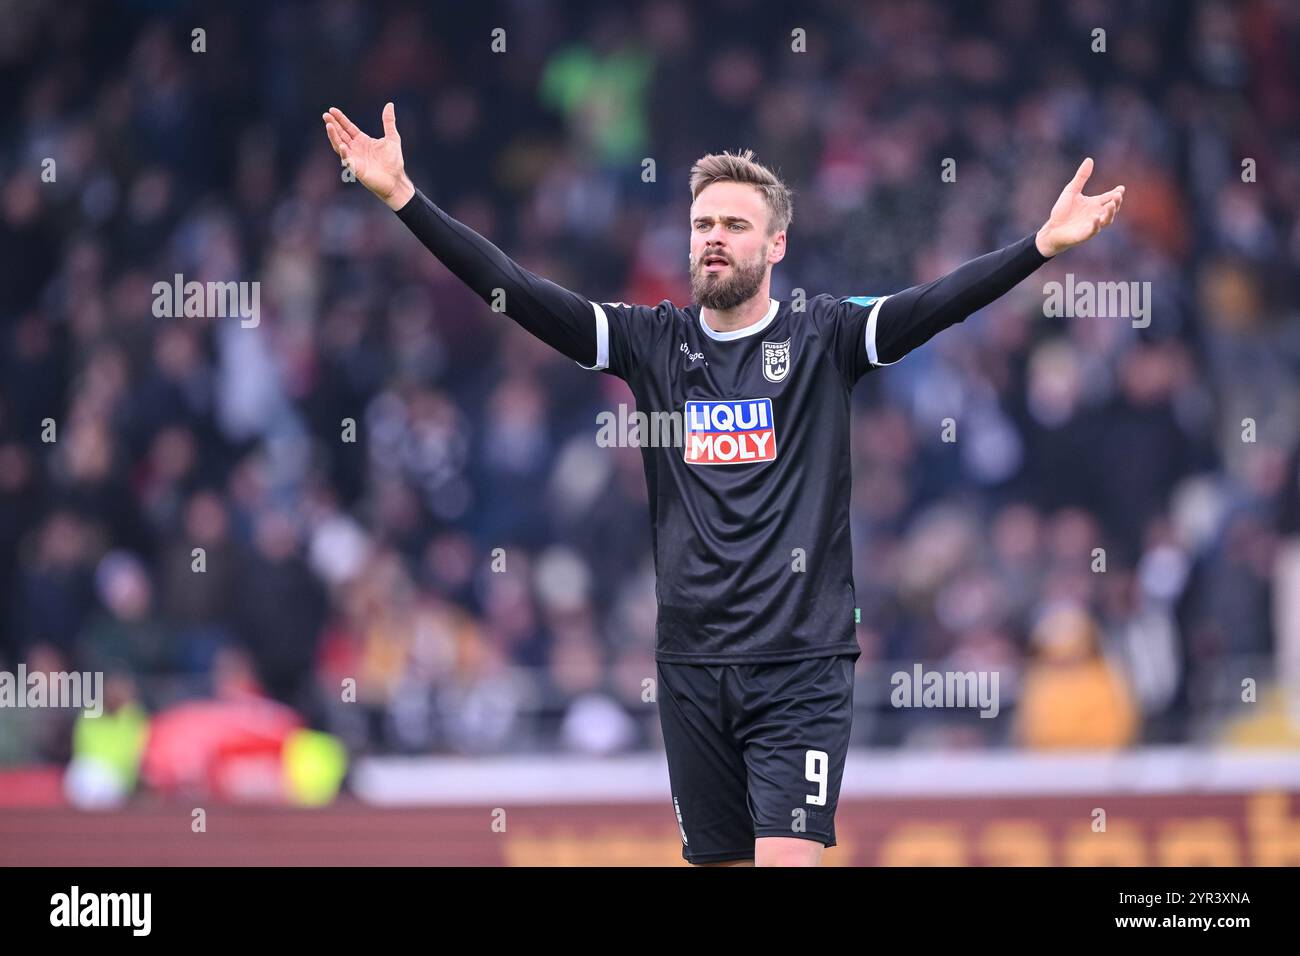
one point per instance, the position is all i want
(602, 340)
(872, 356)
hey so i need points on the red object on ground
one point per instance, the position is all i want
(229, 748)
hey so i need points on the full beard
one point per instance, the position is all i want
(722, 292)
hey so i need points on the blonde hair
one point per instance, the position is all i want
(729, 167)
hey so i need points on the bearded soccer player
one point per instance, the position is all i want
(755, 661)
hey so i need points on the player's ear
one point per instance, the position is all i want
(777, 251)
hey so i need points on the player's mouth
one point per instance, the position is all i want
(715, 263)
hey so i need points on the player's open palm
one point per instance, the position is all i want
(377, 163)
(1076, 218)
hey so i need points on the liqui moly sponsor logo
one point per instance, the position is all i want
(730, 433)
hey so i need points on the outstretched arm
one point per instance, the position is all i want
(562, 319)
(899, 323)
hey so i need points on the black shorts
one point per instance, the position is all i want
(755, 750)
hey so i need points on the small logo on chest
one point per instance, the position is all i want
(690, 356)
(776, 360)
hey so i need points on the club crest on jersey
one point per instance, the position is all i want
(776, 360)
(733, 432)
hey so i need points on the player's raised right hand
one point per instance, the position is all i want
(377, 163)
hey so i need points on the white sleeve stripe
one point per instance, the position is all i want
(602, 340)
(872, 357)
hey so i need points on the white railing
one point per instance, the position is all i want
(395, 781)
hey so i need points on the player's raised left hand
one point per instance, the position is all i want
(377, 163)
(1077, 218)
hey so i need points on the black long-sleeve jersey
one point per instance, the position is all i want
(750, 513)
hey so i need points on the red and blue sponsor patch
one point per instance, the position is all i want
(730, 432)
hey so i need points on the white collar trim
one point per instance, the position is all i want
(757, 327)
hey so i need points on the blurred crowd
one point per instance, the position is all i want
(1114, 528)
